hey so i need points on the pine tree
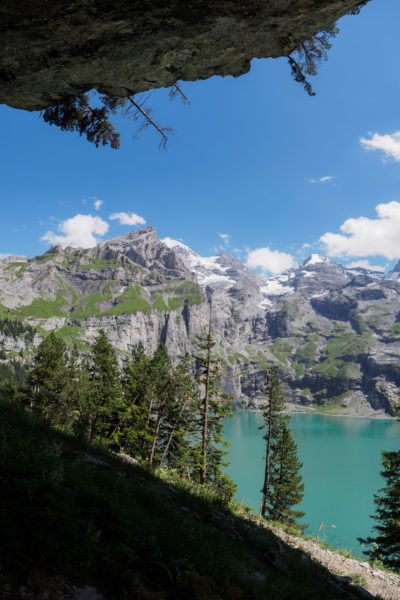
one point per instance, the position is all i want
(76, 394)
(162, 397)
(47, 376)
(286, 481)
(105, 390)
(137, 389)
(214, 406)
(282, 487)
(386, 544)
(179, 423)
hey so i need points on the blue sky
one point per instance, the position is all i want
(246, 160)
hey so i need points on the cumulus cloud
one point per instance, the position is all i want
(364, 264)
(388, 143)
(324, 179)
(79, 231)
(368, 237)
(270, 261)
(127, 218)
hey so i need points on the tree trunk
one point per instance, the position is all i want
(158, 423)
(206, 406)
(267, 464)
(153, 446)
(172, 432)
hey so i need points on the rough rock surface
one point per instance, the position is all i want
(376, 583)
(52, 49)
(333, 333)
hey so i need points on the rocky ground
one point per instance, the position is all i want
(374, 581)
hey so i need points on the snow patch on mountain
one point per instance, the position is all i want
(208, 269)
(275, 286)
(314, 259)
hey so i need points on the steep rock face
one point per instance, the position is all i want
(332, 333)
(54, 50)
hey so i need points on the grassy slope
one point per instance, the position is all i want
(129, 533)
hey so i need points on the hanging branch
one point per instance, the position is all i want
(299, 76)
(76, 114)
(176, 91)
(144, 111)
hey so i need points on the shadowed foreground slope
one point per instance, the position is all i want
(78, 516)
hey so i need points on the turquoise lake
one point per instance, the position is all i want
(341, 459)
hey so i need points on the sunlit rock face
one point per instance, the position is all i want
(52, 50)
(333, 333)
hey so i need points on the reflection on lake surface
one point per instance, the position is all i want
(341, 462)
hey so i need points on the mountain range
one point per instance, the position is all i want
(332, 332)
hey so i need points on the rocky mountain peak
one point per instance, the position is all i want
(143, 247)
(397, 267)
(316, 259)
(332, 332)
(394, 275)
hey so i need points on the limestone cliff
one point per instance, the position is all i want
(333, 333)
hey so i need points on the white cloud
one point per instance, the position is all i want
(388, 143)
(225, 236)
(79, 231)
(368, 237)
(324, 179)
(364, 264)
(97, 204)
(270, 261)
(127, 218)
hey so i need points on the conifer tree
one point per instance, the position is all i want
(386, 543)
(105, 390)
(286, 481)
(47, 377)
(282, 487)
(179, 425)
(214, 407)
(137, 388)
(162, 396)
(77, 398)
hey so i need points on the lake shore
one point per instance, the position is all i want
(366, 413)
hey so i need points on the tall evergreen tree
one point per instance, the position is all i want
(47, 377)
(179, 424)
(214, 407)
(162, 396)
(137, 388)
(105, 390)
(282, 488)
(286, 481)
(386, 544)
(77, 402)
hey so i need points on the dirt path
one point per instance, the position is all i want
(378, 583)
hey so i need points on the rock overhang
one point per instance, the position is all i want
(52, 50)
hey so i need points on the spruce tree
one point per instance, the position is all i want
(47, 376)
(137, 389)
(77, 397)
(213, 408)
(282, 488)
(162, 396)
(179, 426)
(286, 481)
(386, 543)
(105, 391)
